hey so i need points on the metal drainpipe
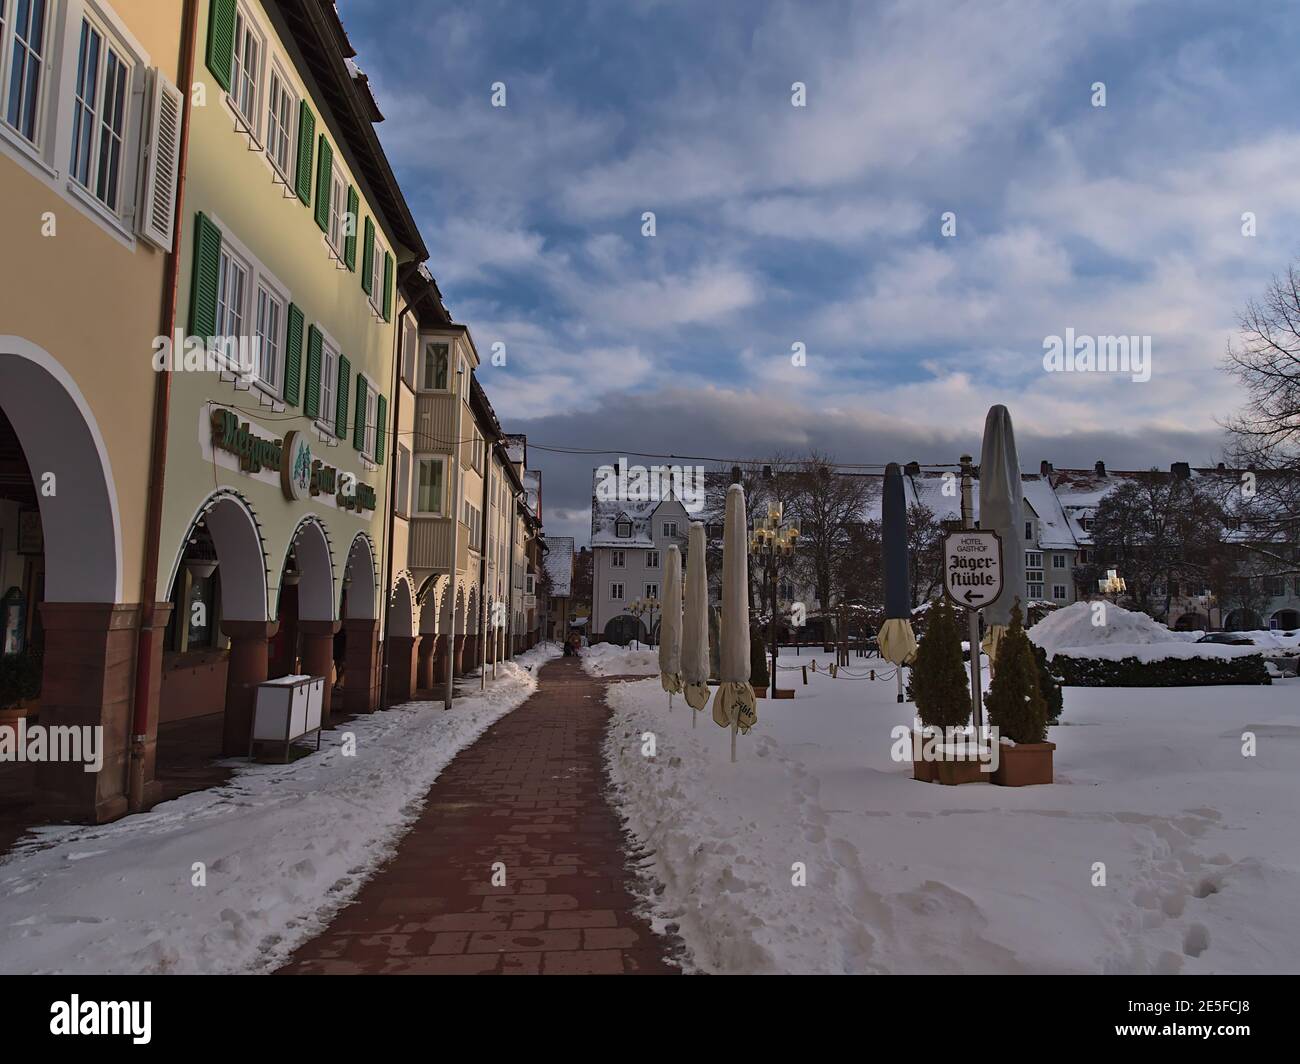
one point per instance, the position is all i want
(135, 782)
(482, 571)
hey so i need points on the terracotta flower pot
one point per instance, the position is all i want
(954, 773)
(1024, 765)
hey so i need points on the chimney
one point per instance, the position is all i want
(1045, 468)
(1180, 470)
(1221, 467)
(912, 469)
(1100, 469)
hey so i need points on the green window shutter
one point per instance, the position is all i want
(341, 407)
(293, 355)
(368, 258)
(306, 139)
(381, 416)
(221, 40)
(350, 241)
(203, 283)
(324, 175)
(359, 425)
(311, 400)
(388, 287)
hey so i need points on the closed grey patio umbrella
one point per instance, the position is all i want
(896, 638)
(1002, 511)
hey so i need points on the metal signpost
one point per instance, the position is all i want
(972, 578)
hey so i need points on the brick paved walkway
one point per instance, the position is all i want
(529, 793)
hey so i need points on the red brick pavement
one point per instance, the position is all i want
(530, 793)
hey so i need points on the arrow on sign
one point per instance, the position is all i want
(970, 596)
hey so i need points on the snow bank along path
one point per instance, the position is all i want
(610, 659)
(1201, 845)
(285, 847)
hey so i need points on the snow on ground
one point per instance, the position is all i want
(610, 659)
(1072, 631)
(285, 847)
(1201, 845)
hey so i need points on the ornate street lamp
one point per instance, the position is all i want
(1112, 584)
(770, 540)
(646, 607)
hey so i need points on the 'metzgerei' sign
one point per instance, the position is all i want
(256, 453)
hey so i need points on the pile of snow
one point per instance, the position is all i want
(610, 659)
(282, 847)
(816, 851)
(1087, 630)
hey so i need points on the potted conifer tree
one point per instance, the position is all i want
(1016, 707)
(942, 696)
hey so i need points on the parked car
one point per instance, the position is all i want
(1232, 639)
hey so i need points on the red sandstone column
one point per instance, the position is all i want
(246, 669)
(86, 682)
(401, 668)
(424, 662)
(318, 658)
(361, 679)
(458, 655)
(152, 790)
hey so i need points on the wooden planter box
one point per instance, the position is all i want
(924, 771)
(1024, 765)
(785, 692)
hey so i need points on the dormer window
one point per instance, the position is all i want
(623, 528)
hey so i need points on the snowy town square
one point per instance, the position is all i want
(655, 488)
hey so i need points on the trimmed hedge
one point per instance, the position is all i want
(1167, 672)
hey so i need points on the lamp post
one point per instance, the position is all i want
(646, 607)
(1112, 585)
(769, 541)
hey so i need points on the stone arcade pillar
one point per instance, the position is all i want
(426, 653)
(458, 655)
(361, 666)
(87, 682)
(318, 658)
(246, 669)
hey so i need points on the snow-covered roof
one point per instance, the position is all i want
(559, 565)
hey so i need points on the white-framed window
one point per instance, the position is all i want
(246, 69)
(1058, 561)
(377, 277)
(1029, 530)
(652, 559)
(530, 584)
(670, 529)
(617, 559)
(281, 123)
(232, 292)
(652, 591)
(1034, 591)
(435, 372)
(623, 528)
(1058, 592)
(1033, 559)
(272, 311)
(616, 592)
(473, 520)
(372, 421)
(476, 450)
(431, 477)
(338, 211)
(326, 412)
(1087, 523)
(25, 41)
(101, 97)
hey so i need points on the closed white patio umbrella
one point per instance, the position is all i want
(733, 705)
(670, 626)
(695, 623)
(1002, 511)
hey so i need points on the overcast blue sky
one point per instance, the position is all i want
(821, 225)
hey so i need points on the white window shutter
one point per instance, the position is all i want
(162, 158)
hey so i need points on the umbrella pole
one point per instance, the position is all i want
(735, 727)
(900, 684)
